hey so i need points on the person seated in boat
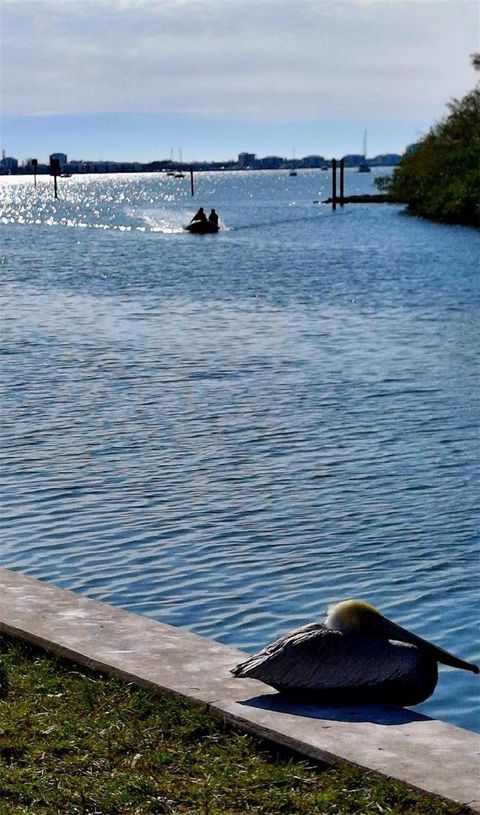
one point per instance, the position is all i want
(199, 216)
(213, 217)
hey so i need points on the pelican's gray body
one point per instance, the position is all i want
(317, 663)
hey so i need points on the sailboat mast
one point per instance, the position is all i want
(364, 166)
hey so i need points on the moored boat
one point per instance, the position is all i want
(364, 166)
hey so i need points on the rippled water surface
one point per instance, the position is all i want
(229, 432)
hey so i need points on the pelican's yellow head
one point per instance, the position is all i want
(350, 615)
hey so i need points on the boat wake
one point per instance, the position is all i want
(277, 222)
(168, 222)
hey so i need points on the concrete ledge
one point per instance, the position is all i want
(395, 742)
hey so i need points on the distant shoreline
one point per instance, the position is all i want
(60, 164)
(44, 169)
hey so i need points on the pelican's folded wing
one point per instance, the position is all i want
(318, 658)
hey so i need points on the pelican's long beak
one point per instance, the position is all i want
(395, 632)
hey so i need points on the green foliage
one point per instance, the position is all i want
(75, 742)
(440, 179)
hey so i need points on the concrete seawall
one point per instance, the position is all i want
(396, 742)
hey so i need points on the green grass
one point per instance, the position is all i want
(76, 742)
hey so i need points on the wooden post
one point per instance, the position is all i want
(34, 165)
(334, 183)
(342, 181)
(55, 170)
(192, 190)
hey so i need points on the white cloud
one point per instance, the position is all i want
(268, 60)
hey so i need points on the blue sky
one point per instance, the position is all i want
(138, 79)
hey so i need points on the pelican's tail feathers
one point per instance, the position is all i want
(247, 668)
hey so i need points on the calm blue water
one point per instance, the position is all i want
(229, 432)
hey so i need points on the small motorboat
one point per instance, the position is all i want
(202, 227)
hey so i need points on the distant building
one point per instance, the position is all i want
(28, 167)
(313, 161)
(9, 164)
(269, 163)
(60, 157)
(74, 166)
(246, 160)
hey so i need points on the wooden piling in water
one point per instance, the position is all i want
(334, 183)
(192, 190)
(34, 165)
(55, 171)
(342, 181)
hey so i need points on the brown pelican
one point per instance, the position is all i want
(357, 656)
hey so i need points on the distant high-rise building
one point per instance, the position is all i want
(60, 157)
(246, 160)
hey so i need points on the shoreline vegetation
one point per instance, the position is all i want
(75, 741)
(439, 178)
